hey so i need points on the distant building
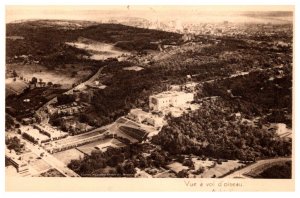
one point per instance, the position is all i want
(140, 116)
(169, 99)
(188, 37)
(190, 86)
(27, 121)
(137, 115)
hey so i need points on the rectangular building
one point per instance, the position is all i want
(169, 99)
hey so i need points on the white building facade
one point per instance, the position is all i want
(169, 99)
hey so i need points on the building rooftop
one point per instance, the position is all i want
(138, 111)
(169, 94)
(35, 133)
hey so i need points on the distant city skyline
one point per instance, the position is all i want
(185, 14)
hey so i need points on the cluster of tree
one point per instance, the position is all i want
(215, 131)
(258, 93)
(123, 91)
(15, 144)
(128, 89)
(137, 45)
(65, 99)
(122, 161)
(224, 58)
(283, 171)
(19, 109)
(51, 50)
(9, 122)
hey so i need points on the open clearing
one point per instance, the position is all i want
(60, 75)
(133, 68)
(177, 167)
(14, 87)
(98, 50)
(88, 148)
(221, 169)
(36, 164)
(201, 163)
(68, 155)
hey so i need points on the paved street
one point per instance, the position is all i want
(240, 173)
(48, 158)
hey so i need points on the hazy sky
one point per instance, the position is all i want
(96, 13)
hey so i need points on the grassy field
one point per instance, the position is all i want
(63, 75)
(98, 50)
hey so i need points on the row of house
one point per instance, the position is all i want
(51, 132)
(33, 135)
(55, 147)
(66, 109)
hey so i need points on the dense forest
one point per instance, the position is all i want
(46, 44)
(130, 89)
(216, 131)
(223, 128)
(118, 162)
(283, 171)
(260, 93)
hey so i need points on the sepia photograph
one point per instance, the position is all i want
(149, 91)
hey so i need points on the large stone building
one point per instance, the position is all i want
(169, 99)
